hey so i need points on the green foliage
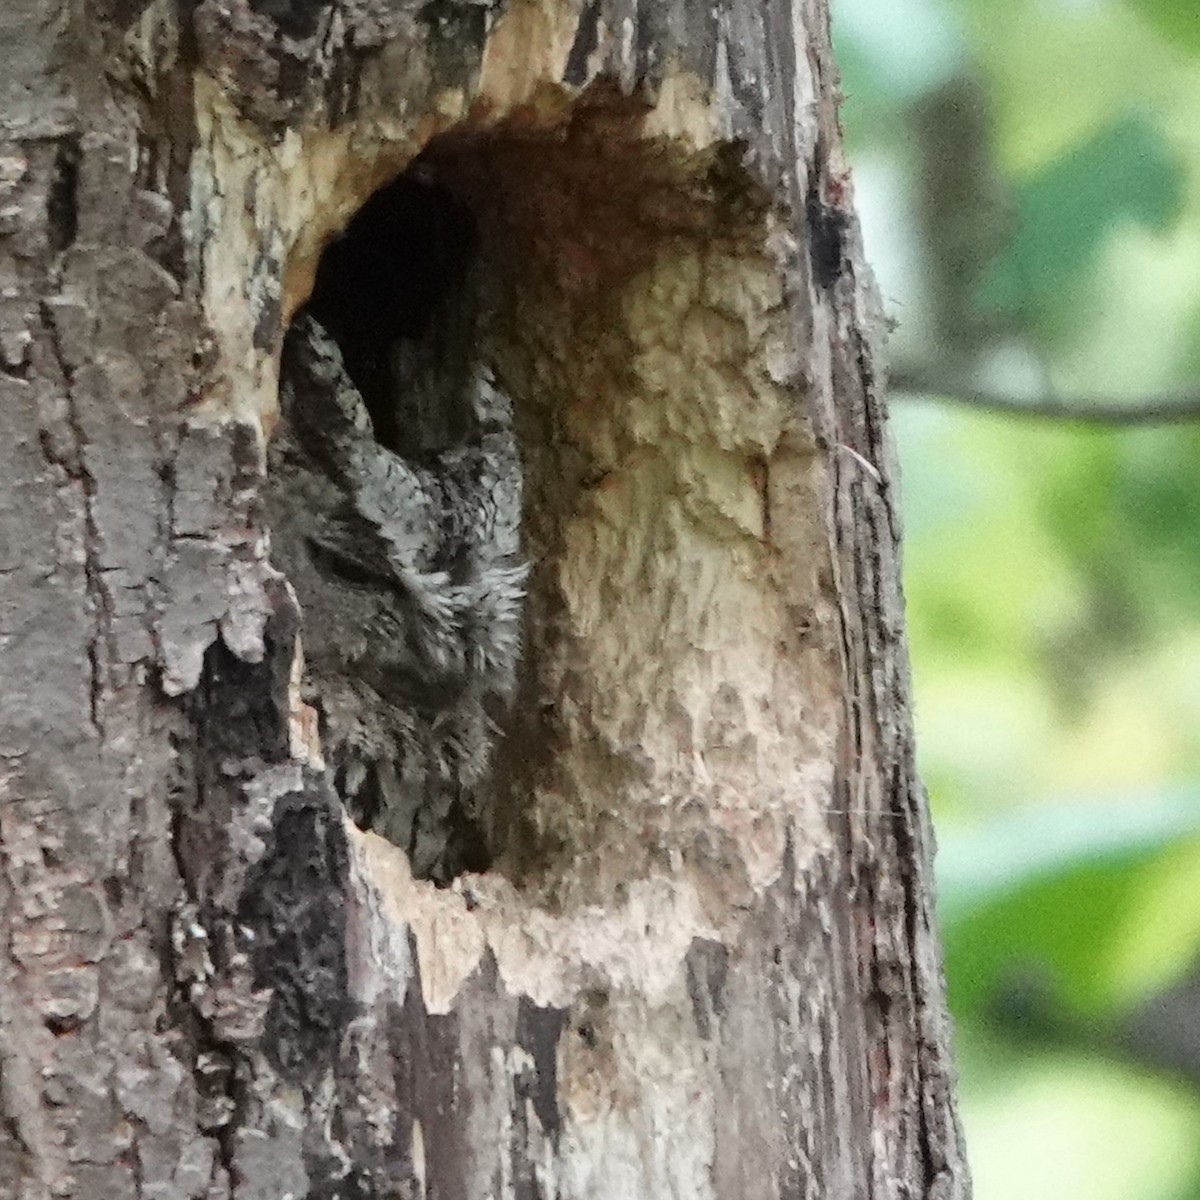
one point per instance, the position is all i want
(1155, 494)
(1125, 172)
(1069, 1126)
(1052, 571)
(1063, 909)
(1176, 20)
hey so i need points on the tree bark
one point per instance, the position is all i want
(699, 958)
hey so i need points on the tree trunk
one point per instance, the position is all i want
(688, 948)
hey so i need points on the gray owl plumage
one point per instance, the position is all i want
(409, 575)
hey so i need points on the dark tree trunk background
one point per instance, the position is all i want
(701, 960)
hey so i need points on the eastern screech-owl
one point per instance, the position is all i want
(408, 570)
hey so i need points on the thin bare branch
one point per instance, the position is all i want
(1174, 408)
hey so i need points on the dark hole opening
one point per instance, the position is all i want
(62, 203)
(390, 277)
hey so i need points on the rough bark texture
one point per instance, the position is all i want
(701, 961)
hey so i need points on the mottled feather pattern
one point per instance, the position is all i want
(411, 583)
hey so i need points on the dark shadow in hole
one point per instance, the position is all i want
(388, 277)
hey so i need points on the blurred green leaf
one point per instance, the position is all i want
(1052, 573)
(1160, 931)
(1156, 496)
(1176, 20)
(1126, 172)
(1041, 905)
(1069, 1126)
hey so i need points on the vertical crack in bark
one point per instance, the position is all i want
(894, 859)
(930, 1085)
(828, 227)
(77, 468)
(189, 966)
(584, 46)
(62, 200)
